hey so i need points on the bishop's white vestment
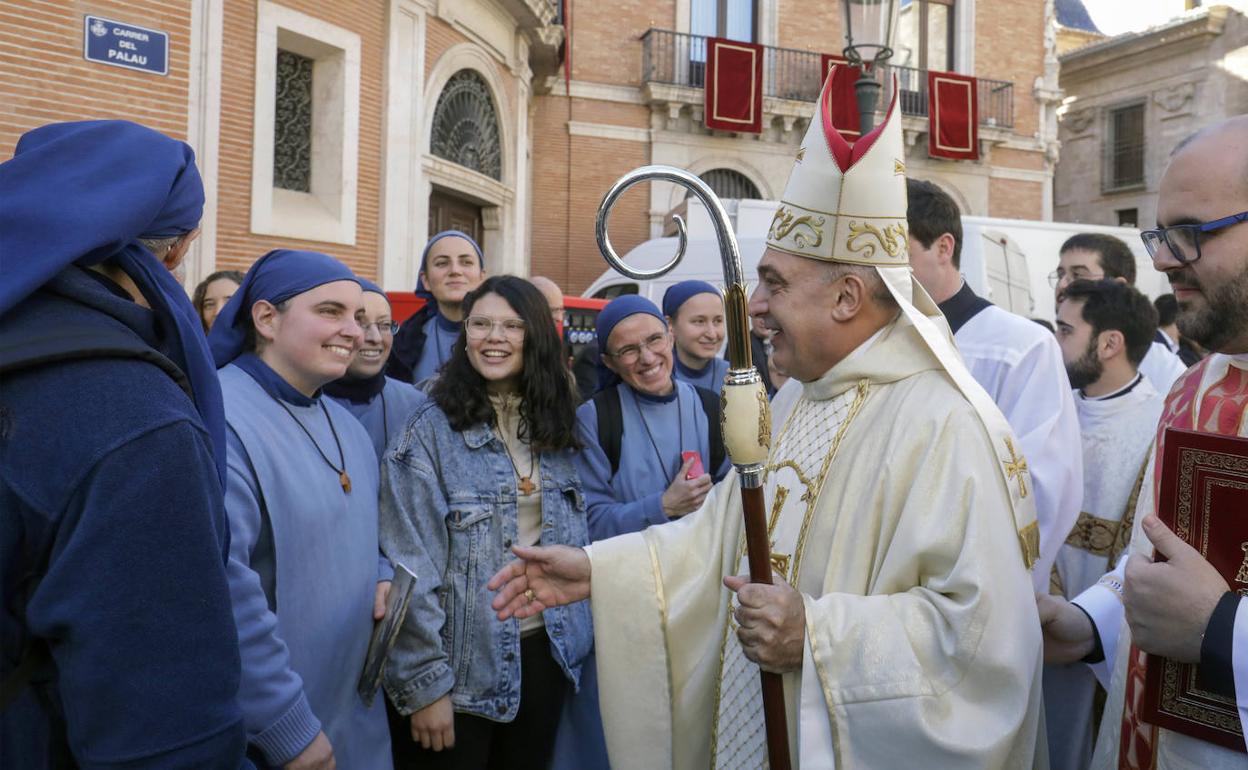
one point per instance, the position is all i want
(1117, 431)
(888, 512)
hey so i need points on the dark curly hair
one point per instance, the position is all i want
(547, 411)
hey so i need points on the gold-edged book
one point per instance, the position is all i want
(385, 632)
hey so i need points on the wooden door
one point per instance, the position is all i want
(449, 212)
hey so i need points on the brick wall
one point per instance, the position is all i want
(606, 37)
(237, 246)
(45, 79)
(809, 26)
(1009, 45)
(1014, 199)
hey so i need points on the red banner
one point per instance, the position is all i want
(952, 116)
(844, 99)
(734, 86)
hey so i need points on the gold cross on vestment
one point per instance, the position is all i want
(1016, 466)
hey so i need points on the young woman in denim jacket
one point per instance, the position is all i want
(485, 464)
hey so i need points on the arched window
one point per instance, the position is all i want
(465, 125)
(730, 184)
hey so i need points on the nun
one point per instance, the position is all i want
(301, 496)
(695, 314)
(451, 266)
(382, 404)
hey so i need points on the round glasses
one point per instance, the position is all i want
(479, 327)
(655, 343)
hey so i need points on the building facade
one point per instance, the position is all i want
(1131, 98)
(360, 127)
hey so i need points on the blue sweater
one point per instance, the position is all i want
(108, 490)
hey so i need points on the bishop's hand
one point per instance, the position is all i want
(1168, 603)
(542, 577)
(771, 622)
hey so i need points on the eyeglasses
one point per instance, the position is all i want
(384, 328)
(479, 327)
(1079, 273)
(655, 343)
(1184, 240)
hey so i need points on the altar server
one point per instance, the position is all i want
(695, 314)
(1015, 360)
(382, 404)
(1104, 329)
(301, 495)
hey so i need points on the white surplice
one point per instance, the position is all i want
(1117, 430)
(1103, 603)
(1161, 367)
(1019, 364)
(890, 514)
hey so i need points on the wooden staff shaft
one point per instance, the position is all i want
(758, 549)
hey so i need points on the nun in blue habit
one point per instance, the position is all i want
(112, 462)
(695, 313)
(653, 419)
(301, 496)
(450, 266)
(382, 404)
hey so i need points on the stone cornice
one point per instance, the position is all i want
(1132, 49)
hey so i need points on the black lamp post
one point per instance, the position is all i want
(869, 29)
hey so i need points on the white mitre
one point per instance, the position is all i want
(847, 203)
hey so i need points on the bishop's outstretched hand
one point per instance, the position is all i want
(541, 577)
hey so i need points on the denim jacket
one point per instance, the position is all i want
(448, 512)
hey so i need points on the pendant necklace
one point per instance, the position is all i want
(525, 484)
(343, 479)
(680, 428)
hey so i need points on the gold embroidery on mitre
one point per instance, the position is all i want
(801, 153)
(784, 222)
(899, 168)
(1016, 466)
(892, 238)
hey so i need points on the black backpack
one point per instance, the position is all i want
(611, 426)
(68, 342)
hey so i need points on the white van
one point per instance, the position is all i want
(1008, 261)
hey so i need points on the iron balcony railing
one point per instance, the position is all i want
(677, 58)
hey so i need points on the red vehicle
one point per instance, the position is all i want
(579, 314)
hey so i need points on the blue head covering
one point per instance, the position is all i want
(421, 291)
(275, 277)
(617, 310)
(83, 193)
(679, 293)
(368, 285)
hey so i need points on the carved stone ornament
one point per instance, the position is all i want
(1079, 121)
(1175, 98)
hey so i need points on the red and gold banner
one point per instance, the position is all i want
(843, 98)
(952, 116)
(734, 86)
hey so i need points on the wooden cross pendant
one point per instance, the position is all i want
(345, 481)
(526, 486)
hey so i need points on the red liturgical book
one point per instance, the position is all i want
(1204, 499)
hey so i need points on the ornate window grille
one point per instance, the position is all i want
(730, 184)
(465, 125)
(292, 123)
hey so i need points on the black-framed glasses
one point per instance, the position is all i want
(655, 343)
(383, 327)
(1184, 240)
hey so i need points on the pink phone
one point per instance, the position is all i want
(695, 470)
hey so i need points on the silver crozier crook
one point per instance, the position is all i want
(746, 414)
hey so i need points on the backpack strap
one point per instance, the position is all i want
(715, 429)
(76, 342)
(610, 425)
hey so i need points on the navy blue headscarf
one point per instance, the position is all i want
(83, 194)
(275, 277)
(421, 291)
(679, 293)
(617, 310)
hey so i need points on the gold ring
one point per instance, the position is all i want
(528, 594)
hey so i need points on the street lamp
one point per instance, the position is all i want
(869, 28)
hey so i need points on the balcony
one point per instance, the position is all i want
(678, 61)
